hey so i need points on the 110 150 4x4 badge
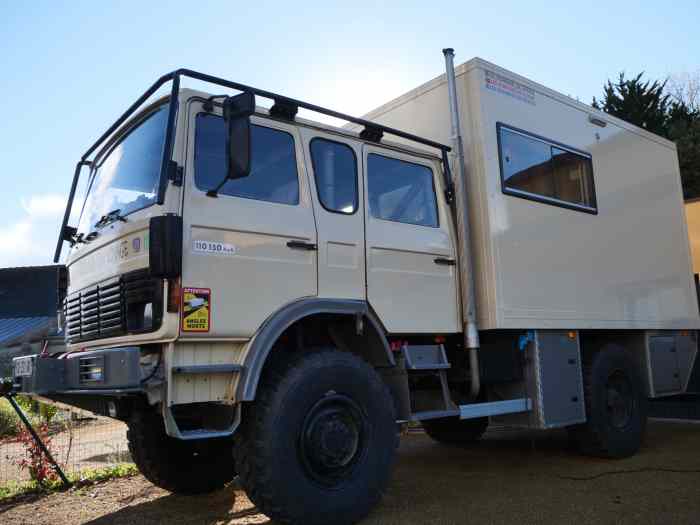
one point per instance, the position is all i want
(196, 309)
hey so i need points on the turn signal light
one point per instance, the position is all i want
(174, 292)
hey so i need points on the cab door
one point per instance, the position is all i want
(411, 270)
(334, 164)
(252, 246)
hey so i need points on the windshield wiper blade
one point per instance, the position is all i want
(109, 218)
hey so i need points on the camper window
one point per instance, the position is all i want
(543, 170)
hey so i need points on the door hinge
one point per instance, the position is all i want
(175, 173)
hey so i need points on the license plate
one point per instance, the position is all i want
(23, 367)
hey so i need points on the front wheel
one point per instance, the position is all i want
(616, 405)
(183, 467)
(318, 444)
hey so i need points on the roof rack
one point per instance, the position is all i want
(283, 107)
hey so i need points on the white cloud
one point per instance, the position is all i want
(32, 238)
(44, 205)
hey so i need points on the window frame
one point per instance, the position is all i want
(432, 181)
(295, 144)
(543, 199)
(357, 175)
(112, 145)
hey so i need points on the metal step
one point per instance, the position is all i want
(433, 414)
(425, 357)
(495, 408)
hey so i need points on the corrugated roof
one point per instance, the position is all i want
(20, 329)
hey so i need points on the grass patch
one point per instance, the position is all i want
(9, 422)
(13, 490)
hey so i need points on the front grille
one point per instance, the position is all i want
(102, 311)
(95, 312)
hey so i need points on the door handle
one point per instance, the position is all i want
(301, 245)
(444, 261)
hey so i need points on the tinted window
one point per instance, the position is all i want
(273, 174)
(401, 191)
(335, 169)
(573, 177)
(537, 167)
(127, 178)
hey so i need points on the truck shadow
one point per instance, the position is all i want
(507, 468)
(219, 507)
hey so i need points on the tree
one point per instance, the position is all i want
(685, 88)
(670, 108)
(643, 104)
(684, 128)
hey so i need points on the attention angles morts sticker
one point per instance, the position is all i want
(196, 309)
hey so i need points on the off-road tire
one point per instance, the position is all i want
(271, 447)
(610, 431)
(455, 431)
(184, 467)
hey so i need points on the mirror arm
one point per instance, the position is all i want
(215, 192)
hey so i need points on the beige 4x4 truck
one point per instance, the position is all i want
(261, 295)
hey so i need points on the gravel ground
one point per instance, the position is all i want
(510, 477)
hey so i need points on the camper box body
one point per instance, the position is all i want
(621, 263)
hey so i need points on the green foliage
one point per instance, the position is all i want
(8, 420)
(36, 412)
(684, 130)
(645, 104)
(78, 480)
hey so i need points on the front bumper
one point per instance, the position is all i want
(111, 371)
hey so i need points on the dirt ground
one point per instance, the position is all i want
(507, 478)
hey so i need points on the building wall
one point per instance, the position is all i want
(692, 216)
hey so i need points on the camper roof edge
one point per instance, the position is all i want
(480, 63)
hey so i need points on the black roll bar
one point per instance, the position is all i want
(372, 131)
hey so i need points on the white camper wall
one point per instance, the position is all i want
(544, 266)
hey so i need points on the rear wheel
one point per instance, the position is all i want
(455, 431)
(318, 444)
(185, 467)
(616, 405)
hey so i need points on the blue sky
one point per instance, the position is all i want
(68, 69)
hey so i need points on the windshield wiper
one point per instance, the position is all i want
(109, 218)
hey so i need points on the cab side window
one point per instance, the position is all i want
(273, 175)
(335, 169)
(401, 191)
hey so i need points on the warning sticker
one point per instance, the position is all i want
(196, 311)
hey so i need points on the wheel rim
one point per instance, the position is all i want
(619, 400)
(333, 439)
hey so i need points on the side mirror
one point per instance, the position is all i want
(237, 112)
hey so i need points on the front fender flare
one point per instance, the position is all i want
(275, 325)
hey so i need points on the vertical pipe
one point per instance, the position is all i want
(466, 257)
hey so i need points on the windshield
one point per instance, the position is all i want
(126, 179)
